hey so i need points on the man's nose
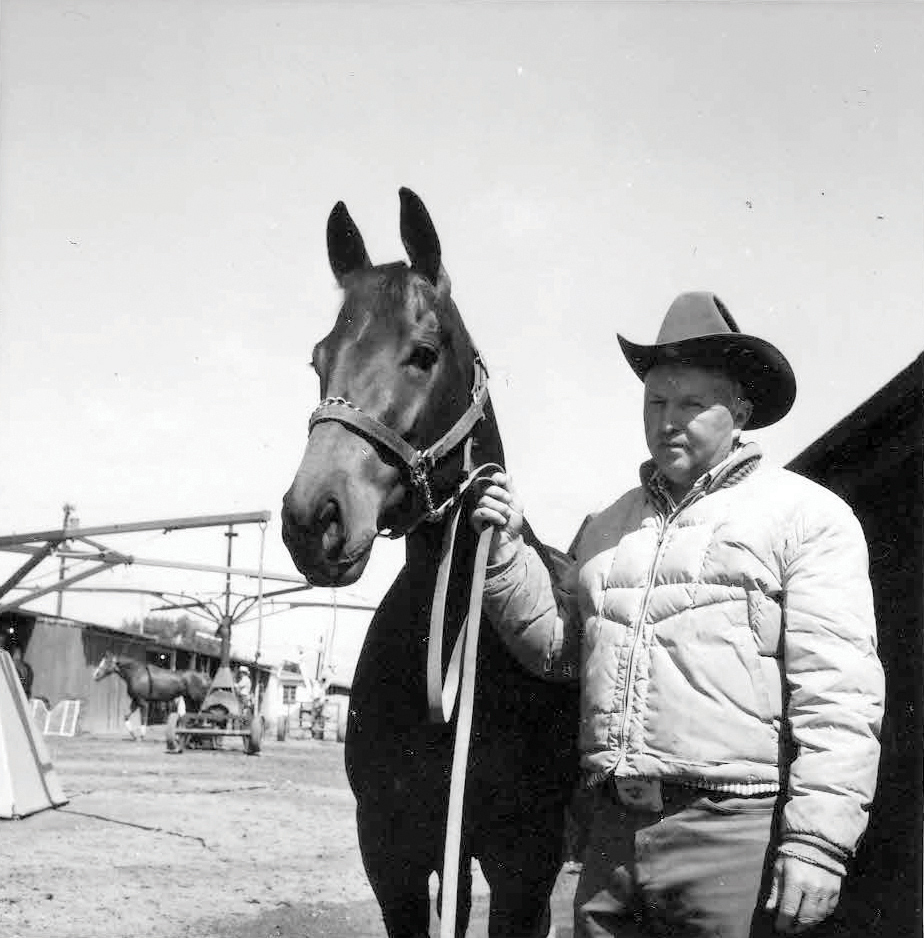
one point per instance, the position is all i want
(669, 421)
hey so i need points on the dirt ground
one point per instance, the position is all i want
(205, 844)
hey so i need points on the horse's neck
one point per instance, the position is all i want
(126, 668)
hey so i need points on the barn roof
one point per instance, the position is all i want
(882, 432)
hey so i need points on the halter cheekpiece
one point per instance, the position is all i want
(418, 463)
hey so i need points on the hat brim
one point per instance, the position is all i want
(762, 369)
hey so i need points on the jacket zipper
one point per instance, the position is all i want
(637, 641)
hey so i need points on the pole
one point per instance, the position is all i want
(228, 534)
(333, 628)
(256, 657)
(225, 628)
(68, 508)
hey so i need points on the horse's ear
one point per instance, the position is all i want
(419, 237)
(345, 247)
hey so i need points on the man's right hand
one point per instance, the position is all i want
(500, 506)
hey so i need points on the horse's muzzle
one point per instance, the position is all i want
(316, 536)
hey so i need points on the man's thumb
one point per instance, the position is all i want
(773, 898)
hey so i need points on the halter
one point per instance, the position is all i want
(418, 464)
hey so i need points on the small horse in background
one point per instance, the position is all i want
(398, 373)
(148, 682)
(23, 669)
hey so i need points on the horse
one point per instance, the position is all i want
(148, 682)
(398, 371)
(23, 670)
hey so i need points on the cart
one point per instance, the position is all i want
(220, 715)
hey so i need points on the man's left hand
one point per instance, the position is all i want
(801, 894)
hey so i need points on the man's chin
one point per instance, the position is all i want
(673, 464)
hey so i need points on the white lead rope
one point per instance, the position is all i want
(463, 737)
(441, 697)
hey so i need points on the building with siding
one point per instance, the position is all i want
(64, 653)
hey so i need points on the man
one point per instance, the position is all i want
(720, 617)
(243, 687)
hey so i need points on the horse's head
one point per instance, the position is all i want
(396, 373)
(108, 664)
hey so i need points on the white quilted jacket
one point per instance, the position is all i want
(714, 638)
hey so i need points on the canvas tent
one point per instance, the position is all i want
(28, 781)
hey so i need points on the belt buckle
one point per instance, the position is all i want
(640, 793)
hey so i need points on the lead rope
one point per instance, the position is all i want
(463, 736)
(441, 696)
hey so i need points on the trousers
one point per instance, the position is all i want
(698, 868)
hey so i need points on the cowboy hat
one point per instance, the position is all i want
(699, 330)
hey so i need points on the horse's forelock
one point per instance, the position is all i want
(396, 288)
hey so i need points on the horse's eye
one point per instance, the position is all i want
(423, 357)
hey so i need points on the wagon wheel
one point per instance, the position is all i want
(254, 738)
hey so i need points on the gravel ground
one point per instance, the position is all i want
(206, 844)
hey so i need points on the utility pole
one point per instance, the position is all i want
(68, 510)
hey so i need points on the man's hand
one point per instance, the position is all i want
(500, 506)
(801, 894)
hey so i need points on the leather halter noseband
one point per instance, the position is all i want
(417, 463)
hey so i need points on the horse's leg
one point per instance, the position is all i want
(398, 866)
(520, 852)
(143, 713)
(128, 717)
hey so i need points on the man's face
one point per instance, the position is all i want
(690, 418)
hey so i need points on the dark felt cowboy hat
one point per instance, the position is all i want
(699, 330)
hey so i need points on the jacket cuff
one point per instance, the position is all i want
(497, 575)
(810, 851)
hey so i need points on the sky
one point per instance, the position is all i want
(166, 173)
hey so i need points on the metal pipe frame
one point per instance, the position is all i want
(169, 524)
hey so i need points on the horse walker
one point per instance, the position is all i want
(221, 713)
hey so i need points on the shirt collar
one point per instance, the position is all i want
(742, 454)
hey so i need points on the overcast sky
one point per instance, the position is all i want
(167, 168)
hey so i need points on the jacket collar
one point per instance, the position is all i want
(740, 462)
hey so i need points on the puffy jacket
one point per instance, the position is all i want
(727, 642)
